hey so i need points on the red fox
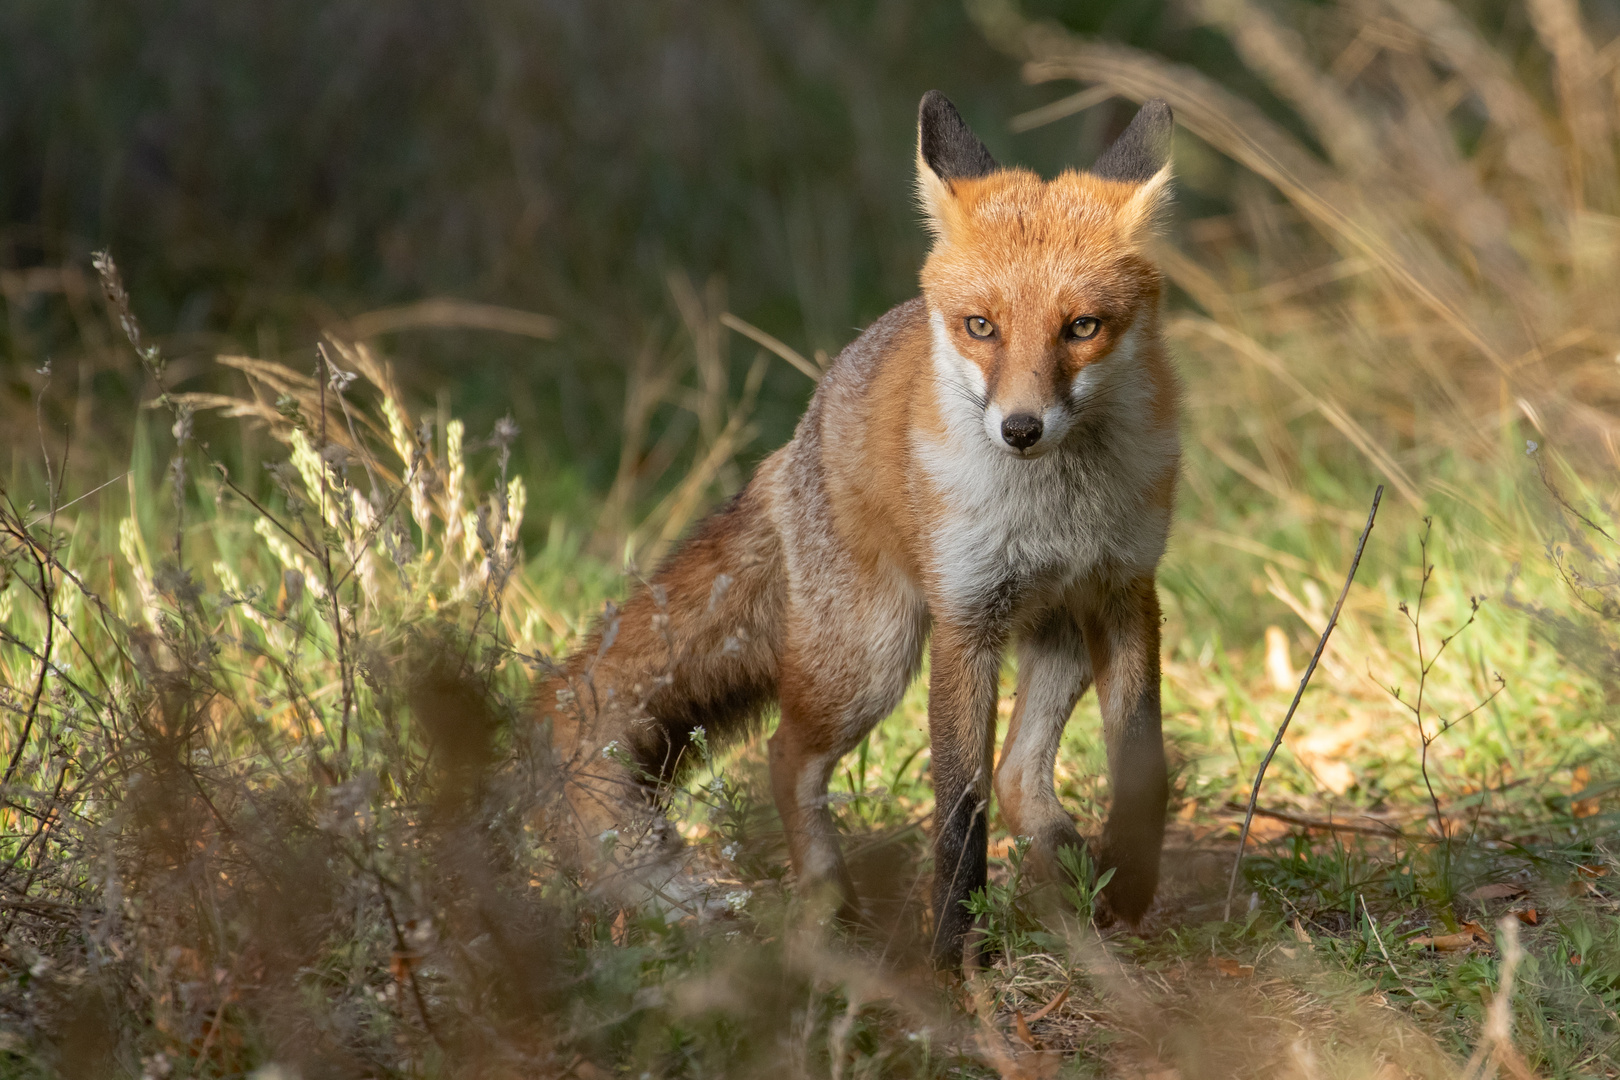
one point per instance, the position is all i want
(993, 462)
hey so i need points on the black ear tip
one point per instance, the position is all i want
(1144, 147)
(948, 146)
(935, 106)
(1156, 123)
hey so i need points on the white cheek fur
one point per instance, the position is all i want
(951, 366)
(992, 425)
(1116, 382)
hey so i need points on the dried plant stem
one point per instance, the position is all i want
(345, 668)
(1426, 663)
(46, 596)
(1496, 1042)
(1305, 680)
(1372, 924)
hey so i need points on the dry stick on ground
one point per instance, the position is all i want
(1378, 828)
(1259, 776)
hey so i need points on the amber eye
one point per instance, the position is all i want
(980, 327)
(1086, 326)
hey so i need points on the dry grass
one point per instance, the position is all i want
(272, 802)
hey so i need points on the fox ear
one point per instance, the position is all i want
(1142, 149)
(1141, 156)
(947, 150)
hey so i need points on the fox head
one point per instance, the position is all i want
(1039, 292)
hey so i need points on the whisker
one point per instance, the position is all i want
(967, 393)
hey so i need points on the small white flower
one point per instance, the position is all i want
(717, 785)
(738, 899)
(1530, 447)
(729, 852)
(610, 749)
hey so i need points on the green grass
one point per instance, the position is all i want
(221, 678)
(278, 806)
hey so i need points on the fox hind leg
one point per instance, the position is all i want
(837, 681)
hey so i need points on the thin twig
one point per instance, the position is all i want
(404, 949)
(1426, 664)
(1259, 777)
(1372, 924)
(80, 499)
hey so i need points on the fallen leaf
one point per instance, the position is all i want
(1299, 932)
(1528, 916)
(1336, 776)
(1500, 891)
(1580, 807)
(1467, 935)
(1575, 958)
(1279, 666)
(1592, 871)
(1025, 1036)
(1444, 942)
(1046, 1010)
(401, 964)
(1264, 828)
(1232, 969)
(1323, 751)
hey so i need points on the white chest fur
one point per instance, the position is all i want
(1040, 524)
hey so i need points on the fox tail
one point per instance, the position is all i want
(695, 646)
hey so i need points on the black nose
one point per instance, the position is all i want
(1021, 430)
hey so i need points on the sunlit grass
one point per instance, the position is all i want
(275, 795)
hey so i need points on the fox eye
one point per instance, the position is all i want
(1086, 326)
(980, 327)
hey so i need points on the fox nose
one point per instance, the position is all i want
(1021, 430)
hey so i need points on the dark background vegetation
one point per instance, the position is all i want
(263, 170)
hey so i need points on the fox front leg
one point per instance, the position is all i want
(1054, 671)
(1122, 637)
(963, 667)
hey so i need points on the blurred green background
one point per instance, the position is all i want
(263, 170)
